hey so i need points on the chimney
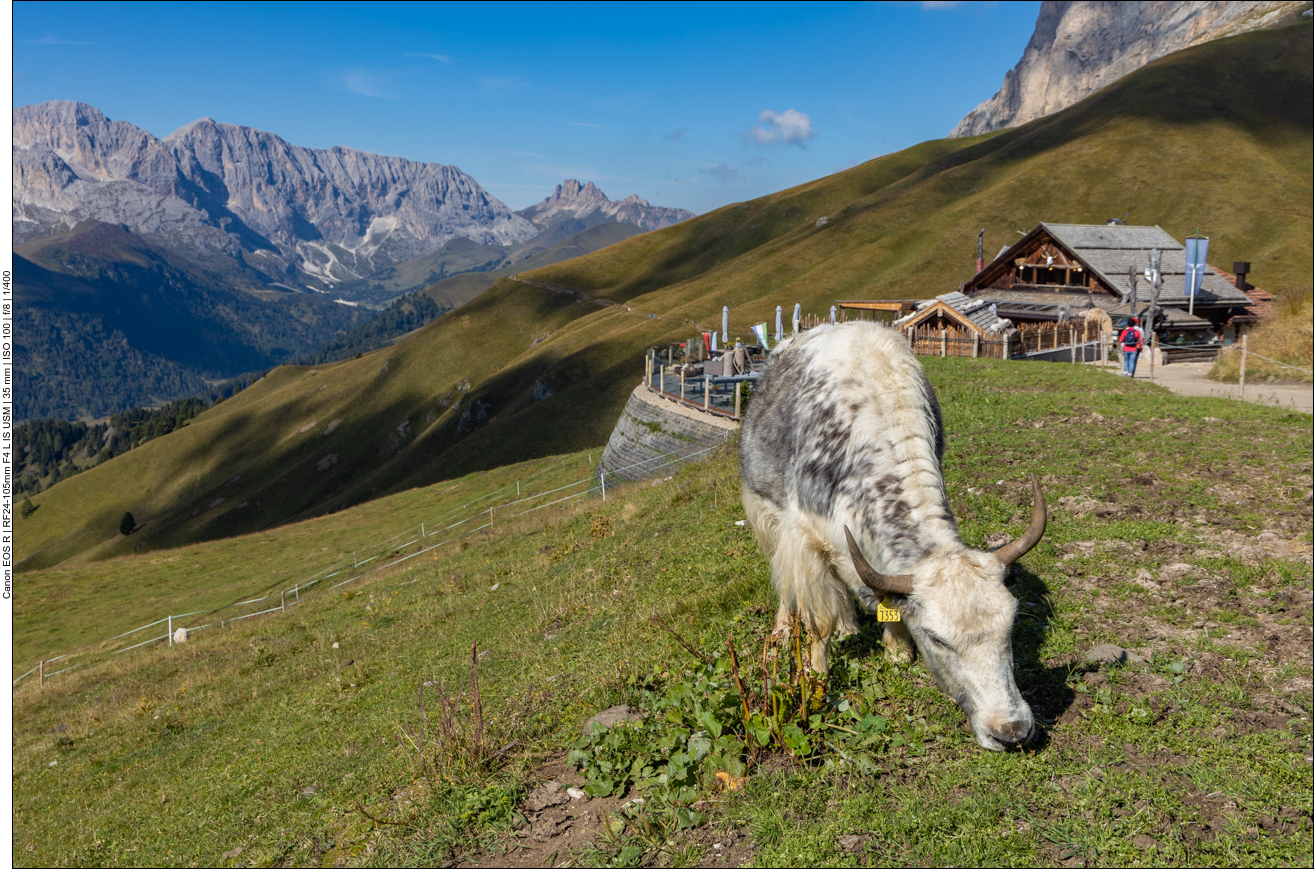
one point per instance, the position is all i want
(980, 253)
(1241, 270)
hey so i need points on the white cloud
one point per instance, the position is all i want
(367, 85)
(581, 124)
(724, 172)
(789, 127)
(441, 58)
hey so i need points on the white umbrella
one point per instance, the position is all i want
(798, 315)
(780, 330)
(725, 323)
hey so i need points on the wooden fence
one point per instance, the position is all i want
(1039, 337)
(930, 341)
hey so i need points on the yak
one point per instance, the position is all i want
(840, 457)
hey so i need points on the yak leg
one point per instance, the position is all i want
(898, 642)
(807, 586)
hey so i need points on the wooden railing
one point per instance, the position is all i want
(930, 341)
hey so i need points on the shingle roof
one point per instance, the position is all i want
(1113, 251)
(977, 311)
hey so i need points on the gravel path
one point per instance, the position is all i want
(1188, 378)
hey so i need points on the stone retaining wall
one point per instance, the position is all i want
(650, 429)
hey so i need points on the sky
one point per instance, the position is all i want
(689, 105)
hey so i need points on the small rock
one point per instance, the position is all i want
(1096, 773)
(549, 794)
(743, 522)
(851, 843)
(611, 717)
(577, 794)
(1145, 842)
(495, 586)
(228, 855)
(335, 646)
(716, 846)
(309, 791)
(182, 635)
(1146, 580)
(1108, 653)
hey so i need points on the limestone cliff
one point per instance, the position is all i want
(336, 214)
(589, 205)
(1079, 47)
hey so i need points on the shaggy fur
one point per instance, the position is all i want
(845, 430)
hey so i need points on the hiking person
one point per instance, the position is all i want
(1133, 340)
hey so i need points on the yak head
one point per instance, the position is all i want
(960, 614)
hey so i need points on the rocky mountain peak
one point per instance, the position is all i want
(587, 203)
(1080, 46)
(333, 215)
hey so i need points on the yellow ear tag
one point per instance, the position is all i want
(886, 614)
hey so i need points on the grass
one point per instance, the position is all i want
(286, 736)
(1228, 141)
(1287, 337)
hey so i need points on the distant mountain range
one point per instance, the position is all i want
(221, 249)
(1079, 47)
(588, 205)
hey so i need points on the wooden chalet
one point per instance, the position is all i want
(1062, 271)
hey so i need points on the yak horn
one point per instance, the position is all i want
(876, 581)
(1010, 552)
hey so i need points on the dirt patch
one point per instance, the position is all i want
(559, 825)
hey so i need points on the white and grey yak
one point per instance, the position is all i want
(840, 456)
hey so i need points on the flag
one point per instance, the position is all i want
(1196, 251)
(707, 342)
(760, 330)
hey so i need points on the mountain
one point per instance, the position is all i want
(459, 395)
(587, 206)
(219, 250)
(1079, 47)
(307, 217)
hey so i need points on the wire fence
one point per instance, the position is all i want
(467, 523)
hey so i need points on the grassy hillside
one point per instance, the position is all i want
(278, 741)
(1210, 137)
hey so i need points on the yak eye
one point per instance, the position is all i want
(939, 642)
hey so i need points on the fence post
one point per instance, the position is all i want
(1244, 339)
(171, 630)
(296, 591)
(707, 392)
(944, 346)
(1006, 356)
(737, 385)
(661, 379)
(491, 529)
(681, 381)
(976, 344)
(41, 674)
(1072, 340)
(602, 475)
(282, 601)
(355, 561)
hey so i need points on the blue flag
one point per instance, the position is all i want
(1196, 251)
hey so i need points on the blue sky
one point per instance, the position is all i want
(688, 105)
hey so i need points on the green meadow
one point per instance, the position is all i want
(338, 733)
